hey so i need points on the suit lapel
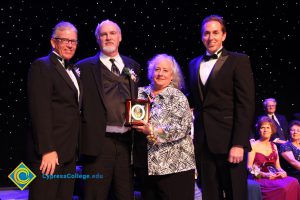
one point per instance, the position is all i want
(131, 82)
(216, 69)
(80, 86)
(97, 71)
(60, 69)
(132, 90)
(197, 79)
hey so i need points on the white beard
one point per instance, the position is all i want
(109, 49)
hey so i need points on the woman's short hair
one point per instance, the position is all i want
(294, 123)
(268, 120)
(177, 81)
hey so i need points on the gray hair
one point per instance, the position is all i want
(102, 23)
(265, 102)
(177, 81)
(61, 26)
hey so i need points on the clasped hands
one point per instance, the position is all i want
(271, 175)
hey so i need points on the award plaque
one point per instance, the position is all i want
(137, 112)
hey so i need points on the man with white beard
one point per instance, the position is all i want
(108, 79)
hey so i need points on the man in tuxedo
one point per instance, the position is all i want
(54, 94)
(109, 79)
(222, 90)
(281, 135)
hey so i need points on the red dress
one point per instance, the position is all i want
(276, 189)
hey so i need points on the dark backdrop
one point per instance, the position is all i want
(265, 30)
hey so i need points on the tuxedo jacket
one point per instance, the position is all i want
(94, 107)
(54, 109)
(224, 114)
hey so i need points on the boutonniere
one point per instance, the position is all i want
(77, 70)
(131, 74)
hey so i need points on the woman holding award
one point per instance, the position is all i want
(169, 160)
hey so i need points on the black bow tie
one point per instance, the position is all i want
(208, 57)
(69, 65)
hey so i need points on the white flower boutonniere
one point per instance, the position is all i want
(77, 70)
(131, 74)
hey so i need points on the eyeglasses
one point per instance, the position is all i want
(271, 106)
(67, 41)
(295, 130)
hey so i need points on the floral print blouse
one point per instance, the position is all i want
(290, 147)
(174, 150)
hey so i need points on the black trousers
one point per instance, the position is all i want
(59, 188)
(116, 172)
(220, 178)
(177, 186)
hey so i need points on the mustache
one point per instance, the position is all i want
(110, 42)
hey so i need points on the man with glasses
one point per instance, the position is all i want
(54, 94)
(280, 136)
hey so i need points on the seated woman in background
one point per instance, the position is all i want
(263, 163)
(290, 151)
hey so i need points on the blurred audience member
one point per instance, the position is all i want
(280, 121)
(263, 163)
(290, 151)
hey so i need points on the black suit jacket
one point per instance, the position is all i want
(94, 104)
(54, 109)
(223, 116)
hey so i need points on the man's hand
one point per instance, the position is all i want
(49, 162)
(236, 154)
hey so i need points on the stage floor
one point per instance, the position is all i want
(16, 194)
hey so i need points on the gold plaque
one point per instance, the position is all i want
(137, 111)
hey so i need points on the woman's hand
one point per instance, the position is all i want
(281, 174)
(270, 175)
(146, 128)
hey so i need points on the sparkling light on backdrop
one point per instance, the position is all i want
(266, 31)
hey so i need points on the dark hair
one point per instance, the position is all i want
(294, 123)
(217, 18)
(268, 120)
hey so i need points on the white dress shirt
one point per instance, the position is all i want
(71, 74)
(207, 66)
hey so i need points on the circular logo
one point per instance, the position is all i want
(21, 176)
(138, 112)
